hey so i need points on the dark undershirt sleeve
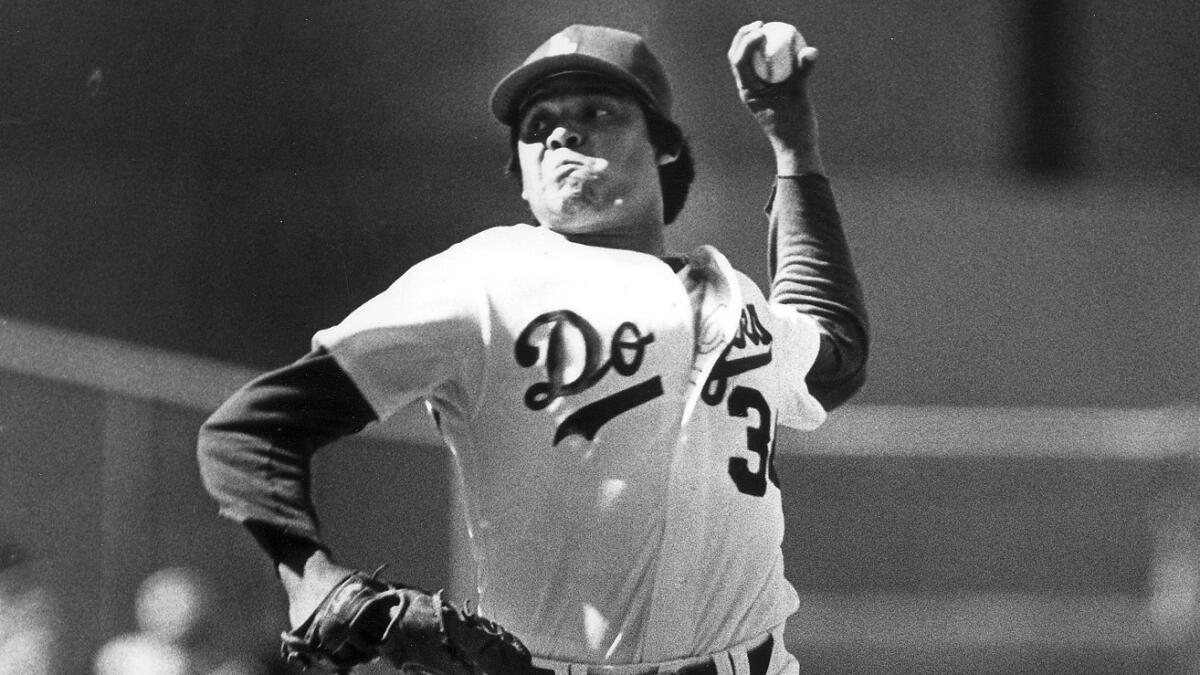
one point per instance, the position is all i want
(811, 270)
(255, 450)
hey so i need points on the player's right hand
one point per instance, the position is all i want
(784, 110)
(750, 39)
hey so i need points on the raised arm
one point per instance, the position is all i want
(808, 254)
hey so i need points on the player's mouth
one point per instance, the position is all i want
(565, 170)
(577, 167)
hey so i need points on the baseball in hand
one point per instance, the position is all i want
(778, 57)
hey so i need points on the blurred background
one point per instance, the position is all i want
(189, 190)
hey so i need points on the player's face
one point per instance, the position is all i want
(587, 163)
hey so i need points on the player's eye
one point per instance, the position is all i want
(535, 128)
(598, 111)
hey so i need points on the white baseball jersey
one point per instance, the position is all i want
(613, 424)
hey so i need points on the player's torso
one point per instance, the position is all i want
(618, 475)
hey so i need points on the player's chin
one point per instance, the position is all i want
(579, 219)
(570, 223)
(572, 206)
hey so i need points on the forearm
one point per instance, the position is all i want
(812, 271)
(305, 569)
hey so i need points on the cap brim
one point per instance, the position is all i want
(508, 94)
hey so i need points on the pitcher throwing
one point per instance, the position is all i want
(612, 405)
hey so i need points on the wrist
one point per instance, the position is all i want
(306, 586)
(793, 162)
(295, 572)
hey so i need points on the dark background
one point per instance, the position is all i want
(1018, 179)
(1019, 183)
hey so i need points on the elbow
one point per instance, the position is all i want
(208, 452)
(208, 437)
(215, 455)
(841, 367)
(832, 394)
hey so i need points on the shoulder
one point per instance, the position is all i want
(459, 274)
(708, 260)
(479, 249)
(516, 237)
(494, 247)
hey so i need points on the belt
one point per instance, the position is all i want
(759, 658)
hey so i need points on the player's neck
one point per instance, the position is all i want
(647, 240)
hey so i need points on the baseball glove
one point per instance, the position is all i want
(364, 619)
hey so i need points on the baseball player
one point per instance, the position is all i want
(612, 408)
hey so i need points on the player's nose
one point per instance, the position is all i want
(564, 137)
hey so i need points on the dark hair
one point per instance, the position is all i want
(675, 178)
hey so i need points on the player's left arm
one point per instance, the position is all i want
(809, 257)
(254, 454)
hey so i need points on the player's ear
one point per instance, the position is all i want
(667, 138)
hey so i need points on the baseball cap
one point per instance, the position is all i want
(599, 50)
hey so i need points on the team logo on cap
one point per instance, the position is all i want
(561, 44)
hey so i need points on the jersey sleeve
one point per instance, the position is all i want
(421, 336)
(796, 344)
(254, 451)
(418, 337)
